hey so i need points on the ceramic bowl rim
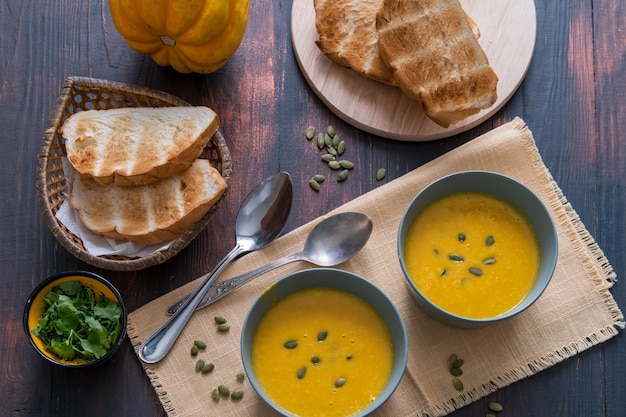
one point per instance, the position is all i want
(547, 266)
(90, 276)
(399, 363)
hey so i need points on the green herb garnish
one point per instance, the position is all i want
(77, 325)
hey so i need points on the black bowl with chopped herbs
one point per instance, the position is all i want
(75, 319)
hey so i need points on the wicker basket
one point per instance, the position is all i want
(78, 94)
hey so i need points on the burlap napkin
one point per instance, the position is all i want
(576, 312)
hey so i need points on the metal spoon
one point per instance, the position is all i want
(260, 220)
(331, 242)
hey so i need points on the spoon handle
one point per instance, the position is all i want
(157, 345)
(222, 288)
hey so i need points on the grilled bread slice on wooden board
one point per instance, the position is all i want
(435, 58)
(347, 35)
(149, 213)
(137, 146)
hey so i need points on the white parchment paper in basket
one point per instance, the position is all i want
(95, 244)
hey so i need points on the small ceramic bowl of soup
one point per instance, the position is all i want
(324, 342)
(75, 319)
(476, 247)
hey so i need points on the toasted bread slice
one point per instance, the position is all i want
(347, 35)
(137, 146)
(150, 213)
(431, 47)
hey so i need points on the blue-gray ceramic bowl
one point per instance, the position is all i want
(505, 189)
(335, 279)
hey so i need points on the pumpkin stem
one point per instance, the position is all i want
(167, 40)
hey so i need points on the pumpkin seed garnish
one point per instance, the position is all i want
(215, 394)
(328, 157)
(219, 319)
(476, 271)
(222, 328)
(236, 395)
(456, 371)
(455, 257)
(331, 150)
(200, 344)
(489, 261)
(495, 407)
(458, 385)
(315, 360)
(336, 141)
(301, 372)
(291, 344)
(343, 175)
(340, 382)
(240, 376)
(208, 368)
(334, 165)
(321, 336)
(319, 177)
(223, 390)
(461, 237)
(199, 365)
(194, 350)
(490, 240)
(380, 174)
(310, 132)
(328, 140)
(330, 130)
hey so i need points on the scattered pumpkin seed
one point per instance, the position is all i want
(341, 146)
(455, 257)
(200, 344)
(452, 359)
(456, 371)
(336, 141)
(490, 240)
(320, 141)
(241, 376)
(340, 382)
(291, 344)
(199, 365)
(223, 390)
(208, 368)
(330, 130)
(461, 237)
(328, 157)
(314, 184)
(310, 132)
(343, 175)
(219, 319)
(334, 165)
(194, 350)
(328, 141)
(456, 363)
(301, 372)
(236, 395)
(215, 394)
(315, 360)
(476, 271)
(495, 407)
(332, 151)
(489, 261)
(458, 385)
(380, 174)
(319, 177)
(321, 336)
(346, 164)
(223, 327)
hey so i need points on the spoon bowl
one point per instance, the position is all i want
(331, 242)
(261, 218)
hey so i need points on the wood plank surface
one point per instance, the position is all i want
(572, 98)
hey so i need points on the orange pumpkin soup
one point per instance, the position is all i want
(472, 255)
(322, 352)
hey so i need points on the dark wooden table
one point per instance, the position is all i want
(572, 99)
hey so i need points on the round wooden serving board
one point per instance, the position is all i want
(507, 35)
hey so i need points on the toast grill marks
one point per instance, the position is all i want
(435, 57)
(347, 35)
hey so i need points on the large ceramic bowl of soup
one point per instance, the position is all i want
(324, 342)
(476, 247)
